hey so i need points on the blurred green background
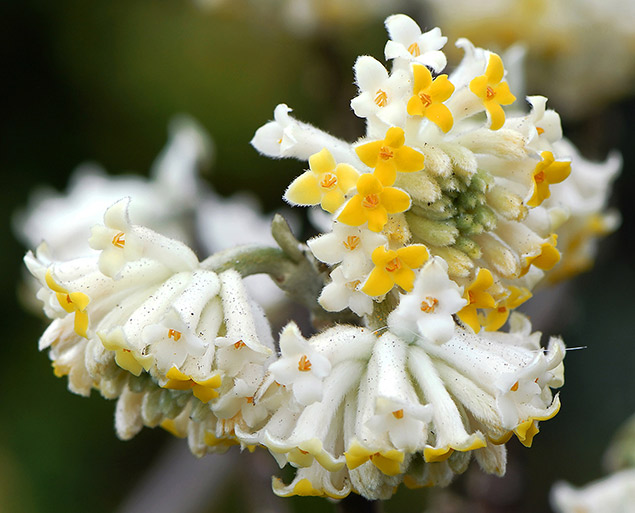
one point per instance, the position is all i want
(99, 81)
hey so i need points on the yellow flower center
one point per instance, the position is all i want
(176, 335)
(425, 99)
(352, 285)
(381, 99)
(539, 177)
(304, 364)
(429, 304)
(328, 181)
(514, 387)
(414, 50)
(239, 345)
(393, 265)
(540, 130)
(470, 297)
(68, 299)
(490, 93)
(250, 400)
(370, 201)
(398, 414)
(351, 242)
(385, 153)
(119, 240)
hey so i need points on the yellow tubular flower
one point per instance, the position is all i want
(477, 298)
(373, 202)
(202, 390)
(492, 92)
(389, 156)
(548, 257)
(389, 462)
(72, 302)
(428, 96)
(394, 267)
(547, 172)
(499, 315)
(325, 183)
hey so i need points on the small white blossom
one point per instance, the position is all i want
(427, 311)
(345, 292)
(381, 96)
(300, 367)
(408, 42)
(350, 245)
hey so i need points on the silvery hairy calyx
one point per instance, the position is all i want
(458, 202)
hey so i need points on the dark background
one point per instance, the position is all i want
(99, 81)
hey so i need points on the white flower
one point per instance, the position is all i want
(394, 410)
(172, 341)
(300, 367)
(408, 42)
(381, 96)
(121, 242)
(345, 292)
(612, 494)
(350, 245)
(161, 202)
(287, 137)
(427, 311)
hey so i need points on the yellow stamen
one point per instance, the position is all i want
(385, 153)
(250, 400)
(393, 265)
(304, 364)
(490, 93)
(176, 335)
(414, 50)
(425, 99)
(351, 242)
(119, 240)
(428, 304)
(540, 177)
(540, 130)
(239, 345)
(329, 181)
(370, 201)
(381, 99)
(514, 387)
(398, 414)
(352, 285)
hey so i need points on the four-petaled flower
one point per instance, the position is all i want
(408, 42)
(380, 95)
(394, 267)
(427, 311)
(388, 156)
(350, 245)
(547, 172)
(428, 97)
(493, 92)
(300, 367)
(373, 202)
(477, 297)
(172, 341)
(325, 182)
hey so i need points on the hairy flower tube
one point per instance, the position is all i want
(440, 221)
(152, 327)
(480, 180)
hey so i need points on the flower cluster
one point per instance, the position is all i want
(442, 220)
